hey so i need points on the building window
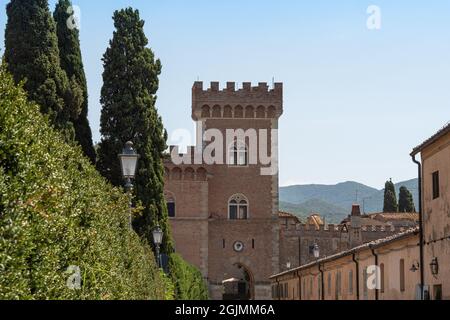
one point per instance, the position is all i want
(238, 154)
(329, 284)
(319, 286)
(304, 288)
(402, 275)
(382, 277)
(337, 289)
(437, 292)
(366, 289)
(238, 208)
(171, 209)
(350, 282)
(436, 191)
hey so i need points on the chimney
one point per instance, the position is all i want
(356, 210)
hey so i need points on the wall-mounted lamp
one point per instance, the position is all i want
(415, 266)
(434, 266)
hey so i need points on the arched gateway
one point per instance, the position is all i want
(240, 286)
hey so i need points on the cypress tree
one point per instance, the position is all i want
(72, 64)
(405, 201)
(128, 96)
(32, 56)
(390, 198)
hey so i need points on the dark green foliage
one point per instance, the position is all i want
(405, 201)
(128, 96)
(57, 211)
(189, 283)
(32, 55)
(390, 198)
(72, 64)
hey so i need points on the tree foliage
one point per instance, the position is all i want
(189, 282)
(56, 211)
(128, 96)
(405, 201)
(390, 197)
(32, 56)
(72, 64)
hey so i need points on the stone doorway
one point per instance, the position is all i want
(240, 286)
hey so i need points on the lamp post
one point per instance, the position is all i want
(128, 162)
(157, 240)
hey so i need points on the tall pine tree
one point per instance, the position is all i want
(32, 55)
(405, 201)
(128, 96)
(390, 197)
(72, 64)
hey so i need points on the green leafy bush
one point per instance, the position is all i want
(189, 283)
(56, 211)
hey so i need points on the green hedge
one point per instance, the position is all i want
(188, 281)
(56, 211)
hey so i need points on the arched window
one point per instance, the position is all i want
(171, 209)
(238, 154)
(238, 208)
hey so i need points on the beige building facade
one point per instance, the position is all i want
(387, 265)
(435, 178)
(398, 266)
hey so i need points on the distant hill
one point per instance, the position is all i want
(334, 202)
(331, 213)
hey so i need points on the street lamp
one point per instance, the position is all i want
(128, 162)
(316, 251)
(157, 240)
(434, 265)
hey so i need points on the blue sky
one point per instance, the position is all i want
(356, 100)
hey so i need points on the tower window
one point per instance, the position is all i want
(436, 191)
(171, 209)
(238, 154)
(238, 208)
(170, 202)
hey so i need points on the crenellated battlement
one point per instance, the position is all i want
(247, 102)
(337, 228)
(187, 171)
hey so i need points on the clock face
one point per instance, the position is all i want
(238, 246)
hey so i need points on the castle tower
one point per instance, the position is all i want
(355, 234)
(226, 219)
